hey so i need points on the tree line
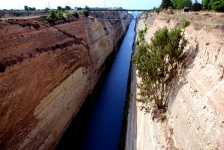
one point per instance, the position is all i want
(217, 5)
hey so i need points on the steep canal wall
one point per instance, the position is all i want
(46, 72)
(98, 123)
(195, 116)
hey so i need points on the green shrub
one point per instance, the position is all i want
(52, 14)
(157, 65)
(59, 15)
(141, 36)
(157, 10)
(170, 8)
(85, 13)
(145, 30)
(69, 15)
(75, 14)
(184, 23)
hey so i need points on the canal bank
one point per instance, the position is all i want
(98, 125)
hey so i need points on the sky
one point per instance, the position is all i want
(41, 4)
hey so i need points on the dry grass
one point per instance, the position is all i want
(200, 19)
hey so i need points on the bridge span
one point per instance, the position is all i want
(107, 9)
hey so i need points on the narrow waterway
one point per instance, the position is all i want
(99, 126)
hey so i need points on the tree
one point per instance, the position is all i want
(85, 13)
(157, 65)
(187, 3)
(67, 8)
(205, 4)
(26, 8)
(86, 7)
(59, 15)
(166, 4)
(59, 8)
(177, 4)
(218, 6)
(75, 14)
(180, 4)
(52, 14)
(196, 7)
(211, 3)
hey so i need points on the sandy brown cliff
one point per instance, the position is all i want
(195, 116)
(46, 72)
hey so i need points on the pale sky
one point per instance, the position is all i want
(41, 4)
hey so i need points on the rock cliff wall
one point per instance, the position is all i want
(195, 116)
(46, 72)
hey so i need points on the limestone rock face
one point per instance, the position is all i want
(195, 116)
(46, 72)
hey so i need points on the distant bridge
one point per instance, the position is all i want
(107, 9)
(113, 14)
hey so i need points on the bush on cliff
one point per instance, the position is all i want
(75, 14)
(157, 66)
(141, 35)
(85, 13)
(184, 23)
(59, 15)
(69, 15)
(52, 14)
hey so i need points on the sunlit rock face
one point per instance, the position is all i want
(195, 116)
(46, 72)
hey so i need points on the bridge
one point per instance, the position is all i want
(111, 9)
(115, 14)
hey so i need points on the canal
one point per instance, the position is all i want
(98, 125)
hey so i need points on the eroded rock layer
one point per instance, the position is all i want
(46, 72)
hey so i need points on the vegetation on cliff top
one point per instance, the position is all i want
(157, 65)
(217, 5)
(58, 14)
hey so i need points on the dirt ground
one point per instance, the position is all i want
(199, 19)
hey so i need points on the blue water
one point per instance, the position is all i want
(99, 127)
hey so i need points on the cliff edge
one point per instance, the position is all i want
(47, 71)
(195, 115)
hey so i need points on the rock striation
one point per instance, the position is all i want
(46, 72)
(195, 116)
